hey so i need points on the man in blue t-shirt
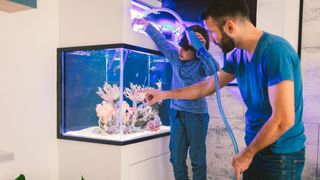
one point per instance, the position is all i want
(268, 73)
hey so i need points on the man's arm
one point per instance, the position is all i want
(281, 97)
(195, 91)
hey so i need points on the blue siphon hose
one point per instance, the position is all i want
(204, 53)
(225, 121)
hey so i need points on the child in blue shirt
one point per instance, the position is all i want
(189, 118)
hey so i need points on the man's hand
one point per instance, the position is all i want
(153, 96)
(140, 21)
(241, 162)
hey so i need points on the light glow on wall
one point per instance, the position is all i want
(165, 26)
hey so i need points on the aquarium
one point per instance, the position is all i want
(100, 94)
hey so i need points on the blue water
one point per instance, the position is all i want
(85, 71)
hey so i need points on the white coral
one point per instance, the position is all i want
(104, 112)
(134, 118)
(134, 93)
(108, 92)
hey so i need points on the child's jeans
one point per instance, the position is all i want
(188, 131)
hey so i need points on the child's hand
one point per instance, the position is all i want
(140, 21)
(201, 38)
(194, 40)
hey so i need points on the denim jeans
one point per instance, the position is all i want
(188, 131)
(267, 165)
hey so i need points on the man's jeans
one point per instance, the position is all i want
(267, 165)
(188, 130)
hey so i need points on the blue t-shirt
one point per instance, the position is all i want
(273, 61)
(185, 73)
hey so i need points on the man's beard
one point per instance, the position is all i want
(226, 44)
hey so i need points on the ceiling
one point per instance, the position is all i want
(190, 10)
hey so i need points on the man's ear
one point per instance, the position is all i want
(229, 27)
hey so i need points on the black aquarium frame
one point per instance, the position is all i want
(300, 27)
(60, 93)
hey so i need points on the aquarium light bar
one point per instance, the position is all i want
(139, 5)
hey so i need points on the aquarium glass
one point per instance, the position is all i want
(100, 94)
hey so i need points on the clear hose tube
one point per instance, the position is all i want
(157, 10)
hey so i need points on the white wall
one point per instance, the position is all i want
(28, 42)
(97, 22)
(280, 18)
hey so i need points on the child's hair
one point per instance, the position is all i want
(184, 43)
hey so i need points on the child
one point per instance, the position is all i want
(189, 118)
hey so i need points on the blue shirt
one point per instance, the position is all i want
(273, 61)
(185, 73)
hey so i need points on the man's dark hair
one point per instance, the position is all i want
(220, 9)
(184, 43)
